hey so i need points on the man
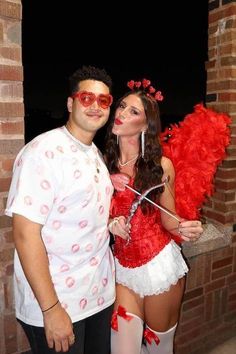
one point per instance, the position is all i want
(59, 200)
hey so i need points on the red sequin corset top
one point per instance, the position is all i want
(147, 236)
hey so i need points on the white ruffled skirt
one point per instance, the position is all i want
(157, 275)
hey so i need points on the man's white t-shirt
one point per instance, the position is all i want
(65, 186)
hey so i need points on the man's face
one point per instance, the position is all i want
(86, 117)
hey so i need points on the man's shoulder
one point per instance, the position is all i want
(48, 140)
(47, 137)
(45, 144)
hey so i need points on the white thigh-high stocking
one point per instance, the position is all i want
(160, 342)
(127, 336)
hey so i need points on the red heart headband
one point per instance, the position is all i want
(146, 85)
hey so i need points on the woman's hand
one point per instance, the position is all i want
(118, 227)
(190, 230)
(119, 180)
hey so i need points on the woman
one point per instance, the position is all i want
(150, 270)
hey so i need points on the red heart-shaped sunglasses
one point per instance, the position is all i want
(88, 98)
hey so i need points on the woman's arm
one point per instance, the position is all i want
(188, 230)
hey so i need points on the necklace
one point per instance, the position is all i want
(128, 162)
(82, 147)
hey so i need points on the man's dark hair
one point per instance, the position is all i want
(88, 73)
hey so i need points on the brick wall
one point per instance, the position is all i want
(11, 140)
(208, 314)
(221, 95)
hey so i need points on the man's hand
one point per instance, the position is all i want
(58, 329)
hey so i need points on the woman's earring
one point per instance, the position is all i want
(117, 140)
(143, 143)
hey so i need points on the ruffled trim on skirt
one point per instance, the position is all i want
(156, 276)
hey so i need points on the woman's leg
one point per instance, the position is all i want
(127, 329)
(160, 342)
(161, 316)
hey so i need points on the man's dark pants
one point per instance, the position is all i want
(92, 335)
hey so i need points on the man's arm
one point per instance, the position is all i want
(34, 261)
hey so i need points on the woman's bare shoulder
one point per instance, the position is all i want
(166, 163)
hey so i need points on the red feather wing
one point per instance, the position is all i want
(196, 147)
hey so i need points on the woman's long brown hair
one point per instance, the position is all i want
(149, 171)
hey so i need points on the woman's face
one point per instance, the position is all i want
(130, 118)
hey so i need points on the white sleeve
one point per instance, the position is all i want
(33, 187)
